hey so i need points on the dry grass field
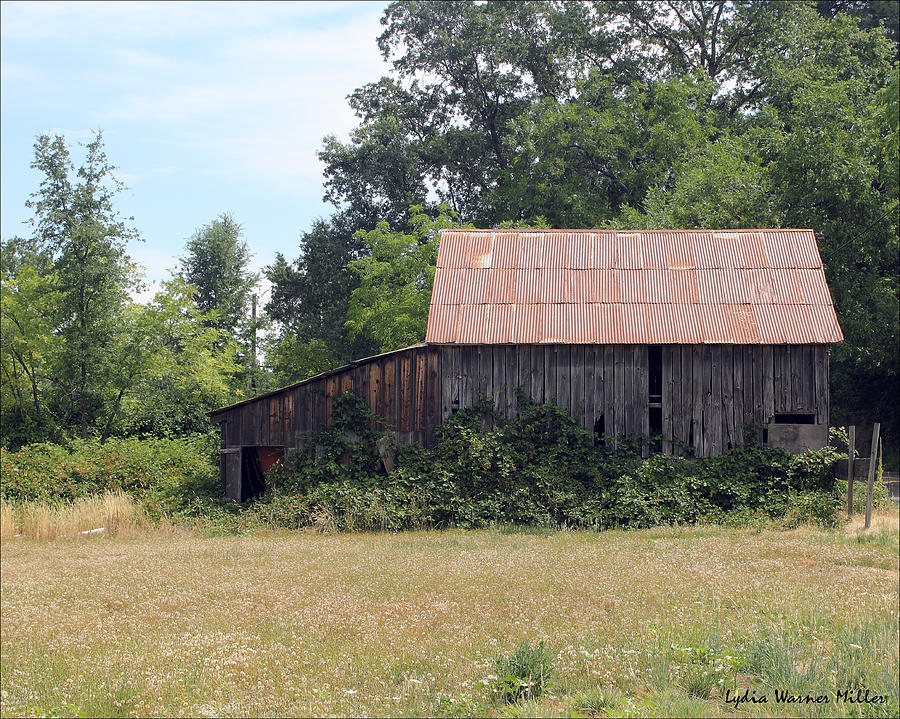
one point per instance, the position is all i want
(660, 622)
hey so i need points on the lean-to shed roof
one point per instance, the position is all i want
(623, 287)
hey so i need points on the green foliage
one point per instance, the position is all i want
(390, 306)
(79, 231)
(216, 262)
(178, 367)
(540, 470)
(167, 474)
(309, 302)
(29, 346)
(524, 674)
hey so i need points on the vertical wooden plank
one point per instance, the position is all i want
(433, 400)
(727, 382)
(669, 361)
(464, 378)
(485, 354)
(738, 369)
(332, 389)
(249, 433)
(576, 383)
(594, 384)
(609, 393)
(302, 413)
(778, 404)
(820, 371)
(873, 463)
(473, 373)
(798, 372)
(550, 371)
(389, 383)
(361, 386)
(421, 380)
(642, 398)
(485, 371)
(275, 421)
(563, 359)
(303, 419)
(513, 353)
(767, 380)
(376, 388)
(698, 362)
(314, 425)
(498, 378)
(747, 379)
(755, 384)
(346, 381)
(717, 405)
(619, 392)
(449, 364)
(628, 429)
(794, 358)
(589, 369)
(676, 410)
(404, 391)
(686, 399)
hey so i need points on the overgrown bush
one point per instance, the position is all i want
(167, 475)
(539, 470)
(523, 674)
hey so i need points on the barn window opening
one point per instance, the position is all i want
(796, 418)
(655, 367)
(656, 429)
(599, 429)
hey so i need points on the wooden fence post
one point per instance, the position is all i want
(873, 461)
(851, 450)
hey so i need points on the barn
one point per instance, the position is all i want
(692, 337)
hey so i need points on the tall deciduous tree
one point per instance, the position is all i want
(216, 262)
(390, 306)
(29, 346)
(77, 225)
(309, 300)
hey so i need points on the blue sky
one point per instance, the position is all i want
(205, 108)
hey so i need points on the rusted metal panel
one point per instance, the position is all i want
(527, 329)
(780, 249)
(528, 286)
(473, 287)
(581, 255)
(500, 286)
(443, 321)
(813, 288)
(633, 287)
(554, 285)
(506, 250)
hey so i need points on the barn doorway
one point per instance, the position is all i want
(246, 468)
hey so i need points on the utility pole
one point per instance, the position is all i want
(253, 346)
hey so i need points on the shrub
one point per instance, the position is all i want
(167, 475)
(523, 674)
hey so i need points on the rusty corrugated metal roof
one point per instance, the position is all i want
(634, 287)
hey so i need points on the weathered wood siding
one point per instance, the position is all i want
(711, 394)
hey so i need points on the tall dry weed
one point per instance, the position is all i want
(110, 514)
